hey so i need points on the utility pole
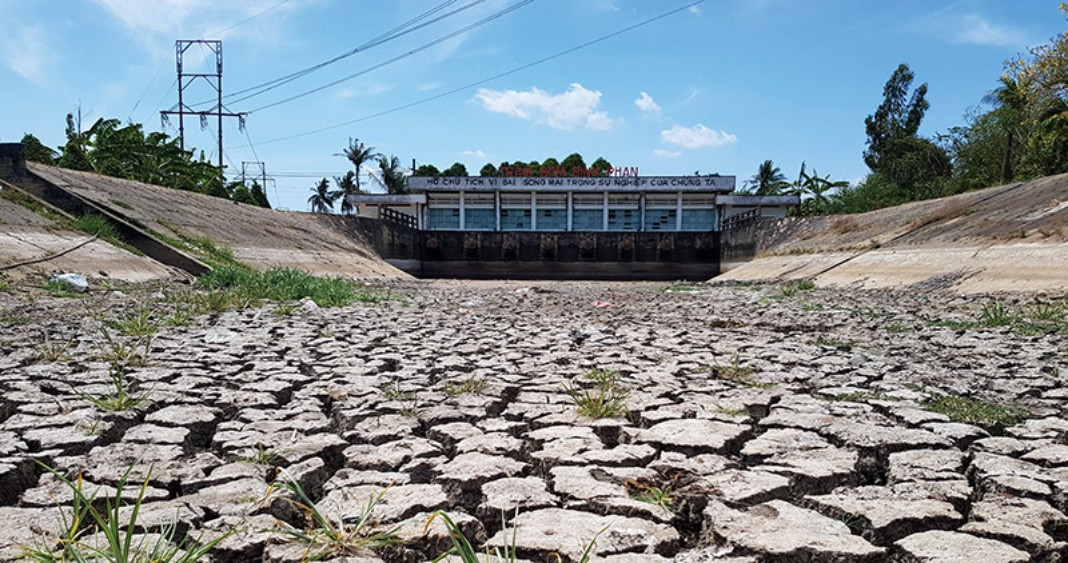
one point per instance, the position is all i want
(185, 79)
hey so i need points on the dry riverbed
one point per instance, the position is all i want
(645, 422)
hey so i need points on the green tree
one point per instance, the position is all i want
(36, 151)
(602, 166)
(346, 186)
(259, 196)
(904, 166)
(551, 166)
(768, 180)
(573, 161)
(1043, 83)
(457, 169)
(1011, 99)
(897, 117)
(817, 190)
(242, 194)
(393, 175)
(322, 199)
(108, 148)
(359, 154)
(488, 170)
(427, 170)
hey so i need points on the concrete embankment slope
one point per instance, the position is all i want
(1009, 238)
(262, 238)
(31, 244)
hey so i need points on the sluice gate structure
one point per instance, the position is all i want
(596, 228)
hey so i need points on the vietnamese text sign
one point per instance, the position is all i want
(604, 183)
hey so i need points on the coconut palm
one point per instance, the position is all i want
(392, 175)
(346, 186)
(322, 199)
(1011, 97)
(359, 154)
(769, 179)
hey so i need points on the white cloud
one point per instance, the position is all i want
(647, 104)
(156, 24)
(666, 154)
(474, 154)
(153, 17)
(976, 30)
(26, 51)
(694, 9)
(696, 137)
(574, 108)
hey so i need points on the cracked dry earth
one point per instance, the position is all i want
(807, 439)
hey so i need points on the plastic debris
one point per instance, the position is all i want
(76, 282)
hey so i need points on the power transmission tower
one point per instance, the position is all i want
(185, 79)
(247, 165)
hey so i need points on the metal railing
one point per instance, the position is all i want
(398, 217)
(740, 220)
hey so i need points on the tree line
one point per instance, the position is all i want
(390, 175)
(1020, 132)
(548, 167)
(125, 151)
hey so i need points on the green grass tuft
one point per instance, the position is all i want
(600, 395)
(473, 385)
(50, 351)
(100, 227)
(996, 314)
(793, 288)
(261, 455)
(657, 496)
(288, 284)
(735, 372)
(87, 515)
(141, 323)
(974, 411)
(328, 537)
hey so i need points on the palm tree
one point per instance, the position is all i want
(322, 199)
(1011, 96)
(392, 175)
(358, 154)
(769, 180)
(346, 186)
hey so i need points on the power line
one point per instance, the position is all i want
(423, 47)
(396, 32)
(164, 62)
(485, 80)
(250, 18)
(166, 94)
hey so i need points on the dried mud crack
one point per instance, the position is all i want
(695, 423)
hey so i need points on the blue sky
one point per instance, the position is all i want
(716, 87)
